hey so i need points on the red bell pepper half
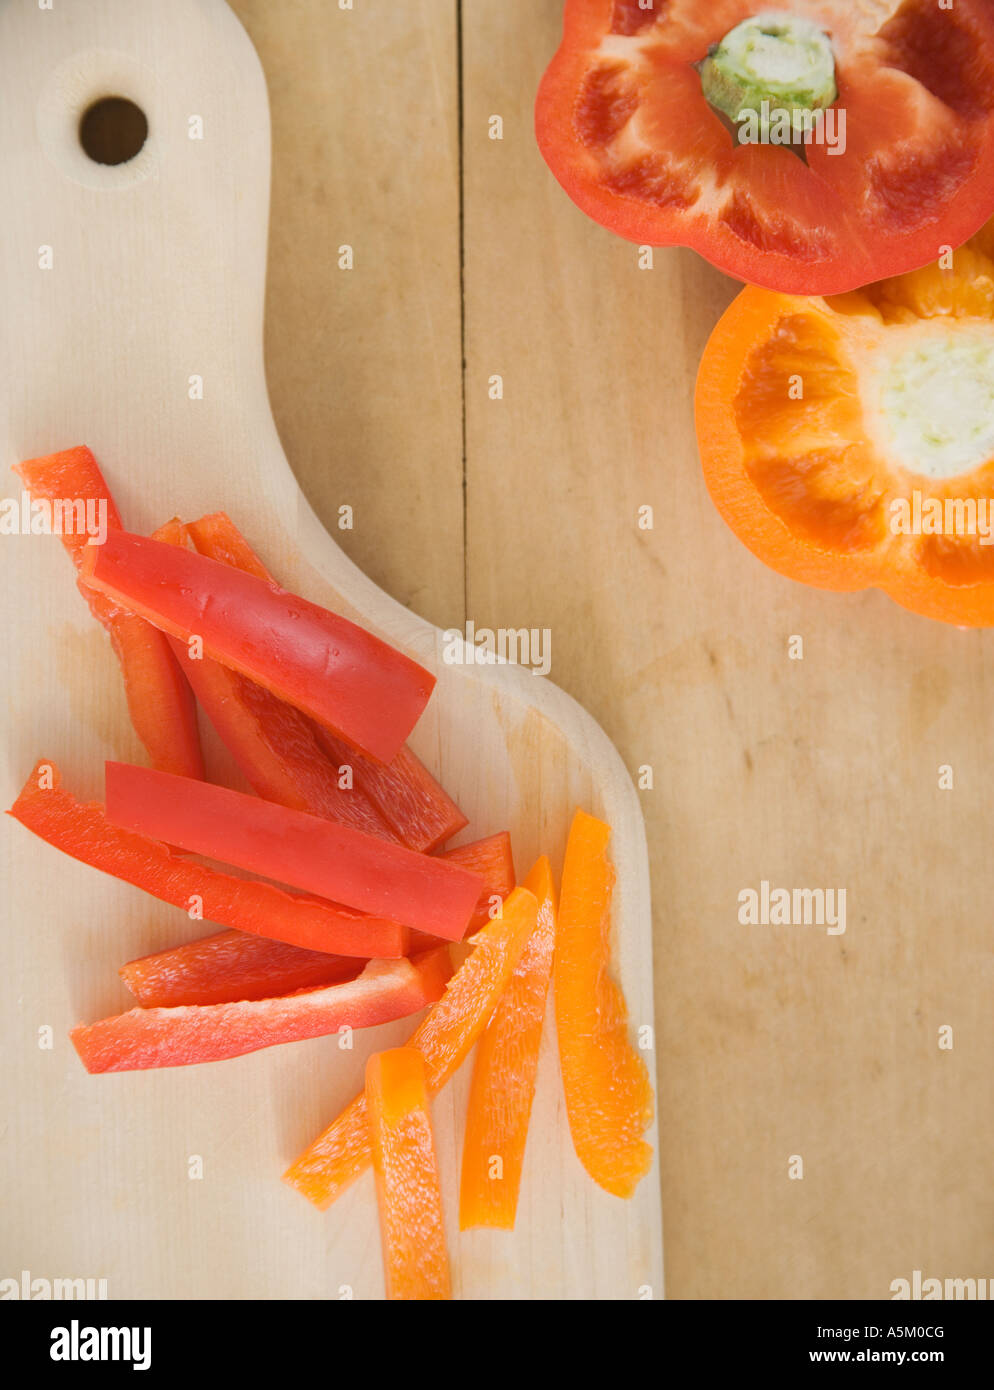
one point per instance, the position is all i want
(179, 1037)
(308, 852)
(232, 965)
(275, 746)
(159, 700)
(229, 966)
(420, 812)
(873, 151)
(83, 831)
(323, 664)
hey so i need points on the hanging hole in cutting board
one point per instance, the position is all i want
(101, 117)
(113, 130)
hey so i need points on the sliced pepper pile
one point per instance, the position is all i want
(337, 898)
(341, 1152)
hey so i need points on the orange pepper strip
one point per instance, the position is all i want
(408, 1190)
(444, 1037)
(504, 1070)
(607, 1088)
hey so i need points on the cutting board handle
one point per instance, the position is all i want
(133, 294)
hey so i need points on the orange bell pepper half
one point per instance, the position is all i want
(849, 441)
(82, 830)
(191, 1033)
(608, 1093)
(444, 1038)
(304, 851)
(504, 1070)
(160, 703)
(410, 802)
(408, 1190)
(322, 663)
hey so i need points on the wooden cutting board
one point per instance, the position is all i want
(139, 332)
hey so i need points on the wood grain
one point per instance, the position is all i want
(365, 365)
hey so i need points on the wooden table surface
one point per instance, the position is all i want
(470, 263)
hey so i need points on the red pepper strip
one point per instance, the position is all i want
(232, 965)
(229, 966)
(142, 1038)
(274, 745)
(412, 803)
(421, 812)
(408, 1189)
(217, 537)
(159, 700)
(444, 1038)
(82, 831)
(295, 848)
(328, 667)
(66, 476)
(490, 858)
